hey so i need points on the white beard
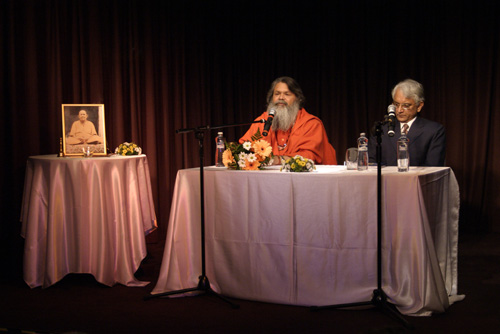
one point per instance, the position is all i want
(285, 116)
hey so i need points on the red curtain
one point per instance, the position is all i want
(162, 66)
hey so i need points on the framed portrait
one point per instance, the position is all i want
(83, 130)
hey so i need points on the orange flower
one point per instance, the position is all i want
(227, 158)
(262, 147)
(252, 165)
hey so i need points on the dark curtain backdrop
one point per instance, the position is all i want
(159, 66)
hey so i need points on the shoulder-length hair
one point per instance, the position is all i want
(293, 86)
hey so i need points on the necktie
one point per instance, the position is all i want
(405, 129)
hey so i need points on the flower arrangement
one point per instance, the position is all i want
(128, 149)
(298, 164)
(251, 155)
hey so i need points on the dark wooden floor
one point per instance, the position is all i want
(78, 304)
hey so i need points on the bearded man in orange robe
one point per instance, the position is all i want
(293, 131)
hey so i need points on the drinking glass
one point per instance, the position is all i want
(351, 158)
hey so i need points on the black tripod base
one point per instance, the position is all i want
(203, 287)
(379, 300)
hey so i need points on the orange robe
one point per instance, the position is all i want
(82, 133)
(307, 138)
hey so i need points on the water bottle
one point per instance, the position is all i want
(220, 147)
(362, 152)
(403, 154)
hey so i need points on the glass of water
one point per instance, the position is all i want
(351, 158)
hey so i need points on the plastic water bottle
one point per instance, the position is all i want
(220, 147)
(362, 152)
(403, 154)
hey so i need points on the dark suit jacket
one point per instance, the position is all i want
(427, 144)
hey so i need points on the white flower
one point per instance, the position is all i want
(247, 145)
(251, 157)
(242, 163)
(242, 156)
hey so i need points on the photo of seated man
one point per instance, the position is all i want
(83, 131)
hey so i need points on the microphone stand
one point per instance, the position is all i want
(379, 299)
(203, 286)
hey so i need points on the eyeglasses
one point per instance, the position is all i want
(405, 106)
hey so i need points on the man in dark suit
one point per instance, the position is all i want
(427, 139)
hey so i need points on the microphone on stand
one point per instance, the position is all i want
(391, 111)
(269, 121)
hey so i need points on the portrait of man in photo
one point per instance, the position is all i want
(83, 127)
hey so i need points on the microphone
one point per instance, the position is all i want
(269, 121)
(391, 111)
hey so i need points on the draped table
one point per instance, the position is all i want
(311, 238)
(86, 215)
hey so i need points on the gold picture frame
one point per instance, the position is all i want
(84, 131)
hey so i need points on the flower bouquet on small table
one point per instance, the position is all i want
(128, 149)
(251, 155)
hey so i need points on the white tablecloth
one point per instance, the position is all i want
(311, 238)
(86, 215)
